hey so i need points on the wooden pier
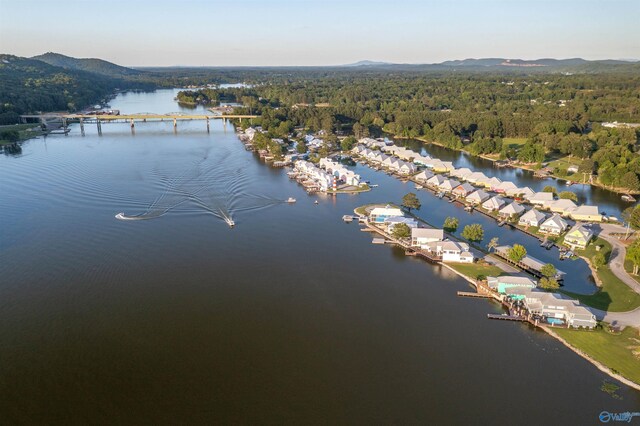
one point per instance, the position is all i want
(471, 294)
(506, 317)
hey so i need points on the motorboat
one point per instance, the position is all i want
(628, 198)
(291, 200)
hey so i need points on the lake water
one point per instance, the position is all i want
(291, 317)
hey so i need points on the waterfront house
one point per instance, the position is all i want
(563, 206)
(388, 162)
(554, 225)
(421, 237)
(505, 283)
(461, 173)
(448, 185)
(586, 213)
(406, 168)
(424, 176)
(477, 177)
(380, 214)
(451, 251)
(436, 181)
(493, 184)
(436, 165)
(250, 132)
(477, 197)
(578, 237)
(524, 192)
(511, 210)
(494, 203)
(463, 190)
(448, 166)
(505, 186)
(540, 198)
(421, 160)
(532, 218)
(555, 309)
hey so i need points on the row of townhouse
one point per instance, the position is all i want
(406, 154)
(340, 172)
(429, 239)
(392, 163)
(545, 200)
(319, 177)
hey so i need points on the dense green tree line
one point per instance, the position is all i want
(557, 114)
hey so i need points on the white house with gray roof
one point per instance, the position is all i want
(421, 237)
(555, 225)
(532, 217)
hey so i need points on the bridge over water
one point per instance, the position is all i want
(64, 119)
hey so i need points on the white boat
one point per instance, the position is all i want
(419, 186)
(628, 198)
(315, 202)
(347, 218)
(291, 200)
(230, 222)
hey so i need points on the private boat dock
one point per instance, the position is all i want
(506, 317)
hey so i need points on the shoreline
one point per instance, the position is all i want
(617, 191)
(594, 362)
(544, 328)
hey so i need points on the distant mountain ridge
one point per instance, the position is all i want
(499, 63)
(93, 65)
(367, 63)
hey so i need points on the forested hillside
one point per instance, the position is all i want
(29, 86)
(93, 65)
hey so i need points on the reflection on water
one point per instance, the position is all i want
(294, 317)
(607, 201)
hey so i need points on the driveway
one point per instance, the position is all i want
(618, 253)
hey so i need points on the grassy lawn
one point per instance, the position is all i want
(613, 350)
(474, 270)
(514, 142)
(614, 295)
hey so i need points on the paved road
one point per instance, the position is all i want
(630, 318)
(616, 260)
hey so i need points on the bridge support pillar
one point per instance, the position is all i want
(175, 123)
(207, 125)
(99, 127)
(82, 126)
(64, 125)
(132, 125)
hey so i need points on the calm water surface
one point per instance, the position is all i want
(291, 317)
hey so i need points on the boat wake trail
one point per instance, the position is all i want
(210, 185)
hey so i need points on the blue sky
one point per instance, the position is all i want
(306, 32)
